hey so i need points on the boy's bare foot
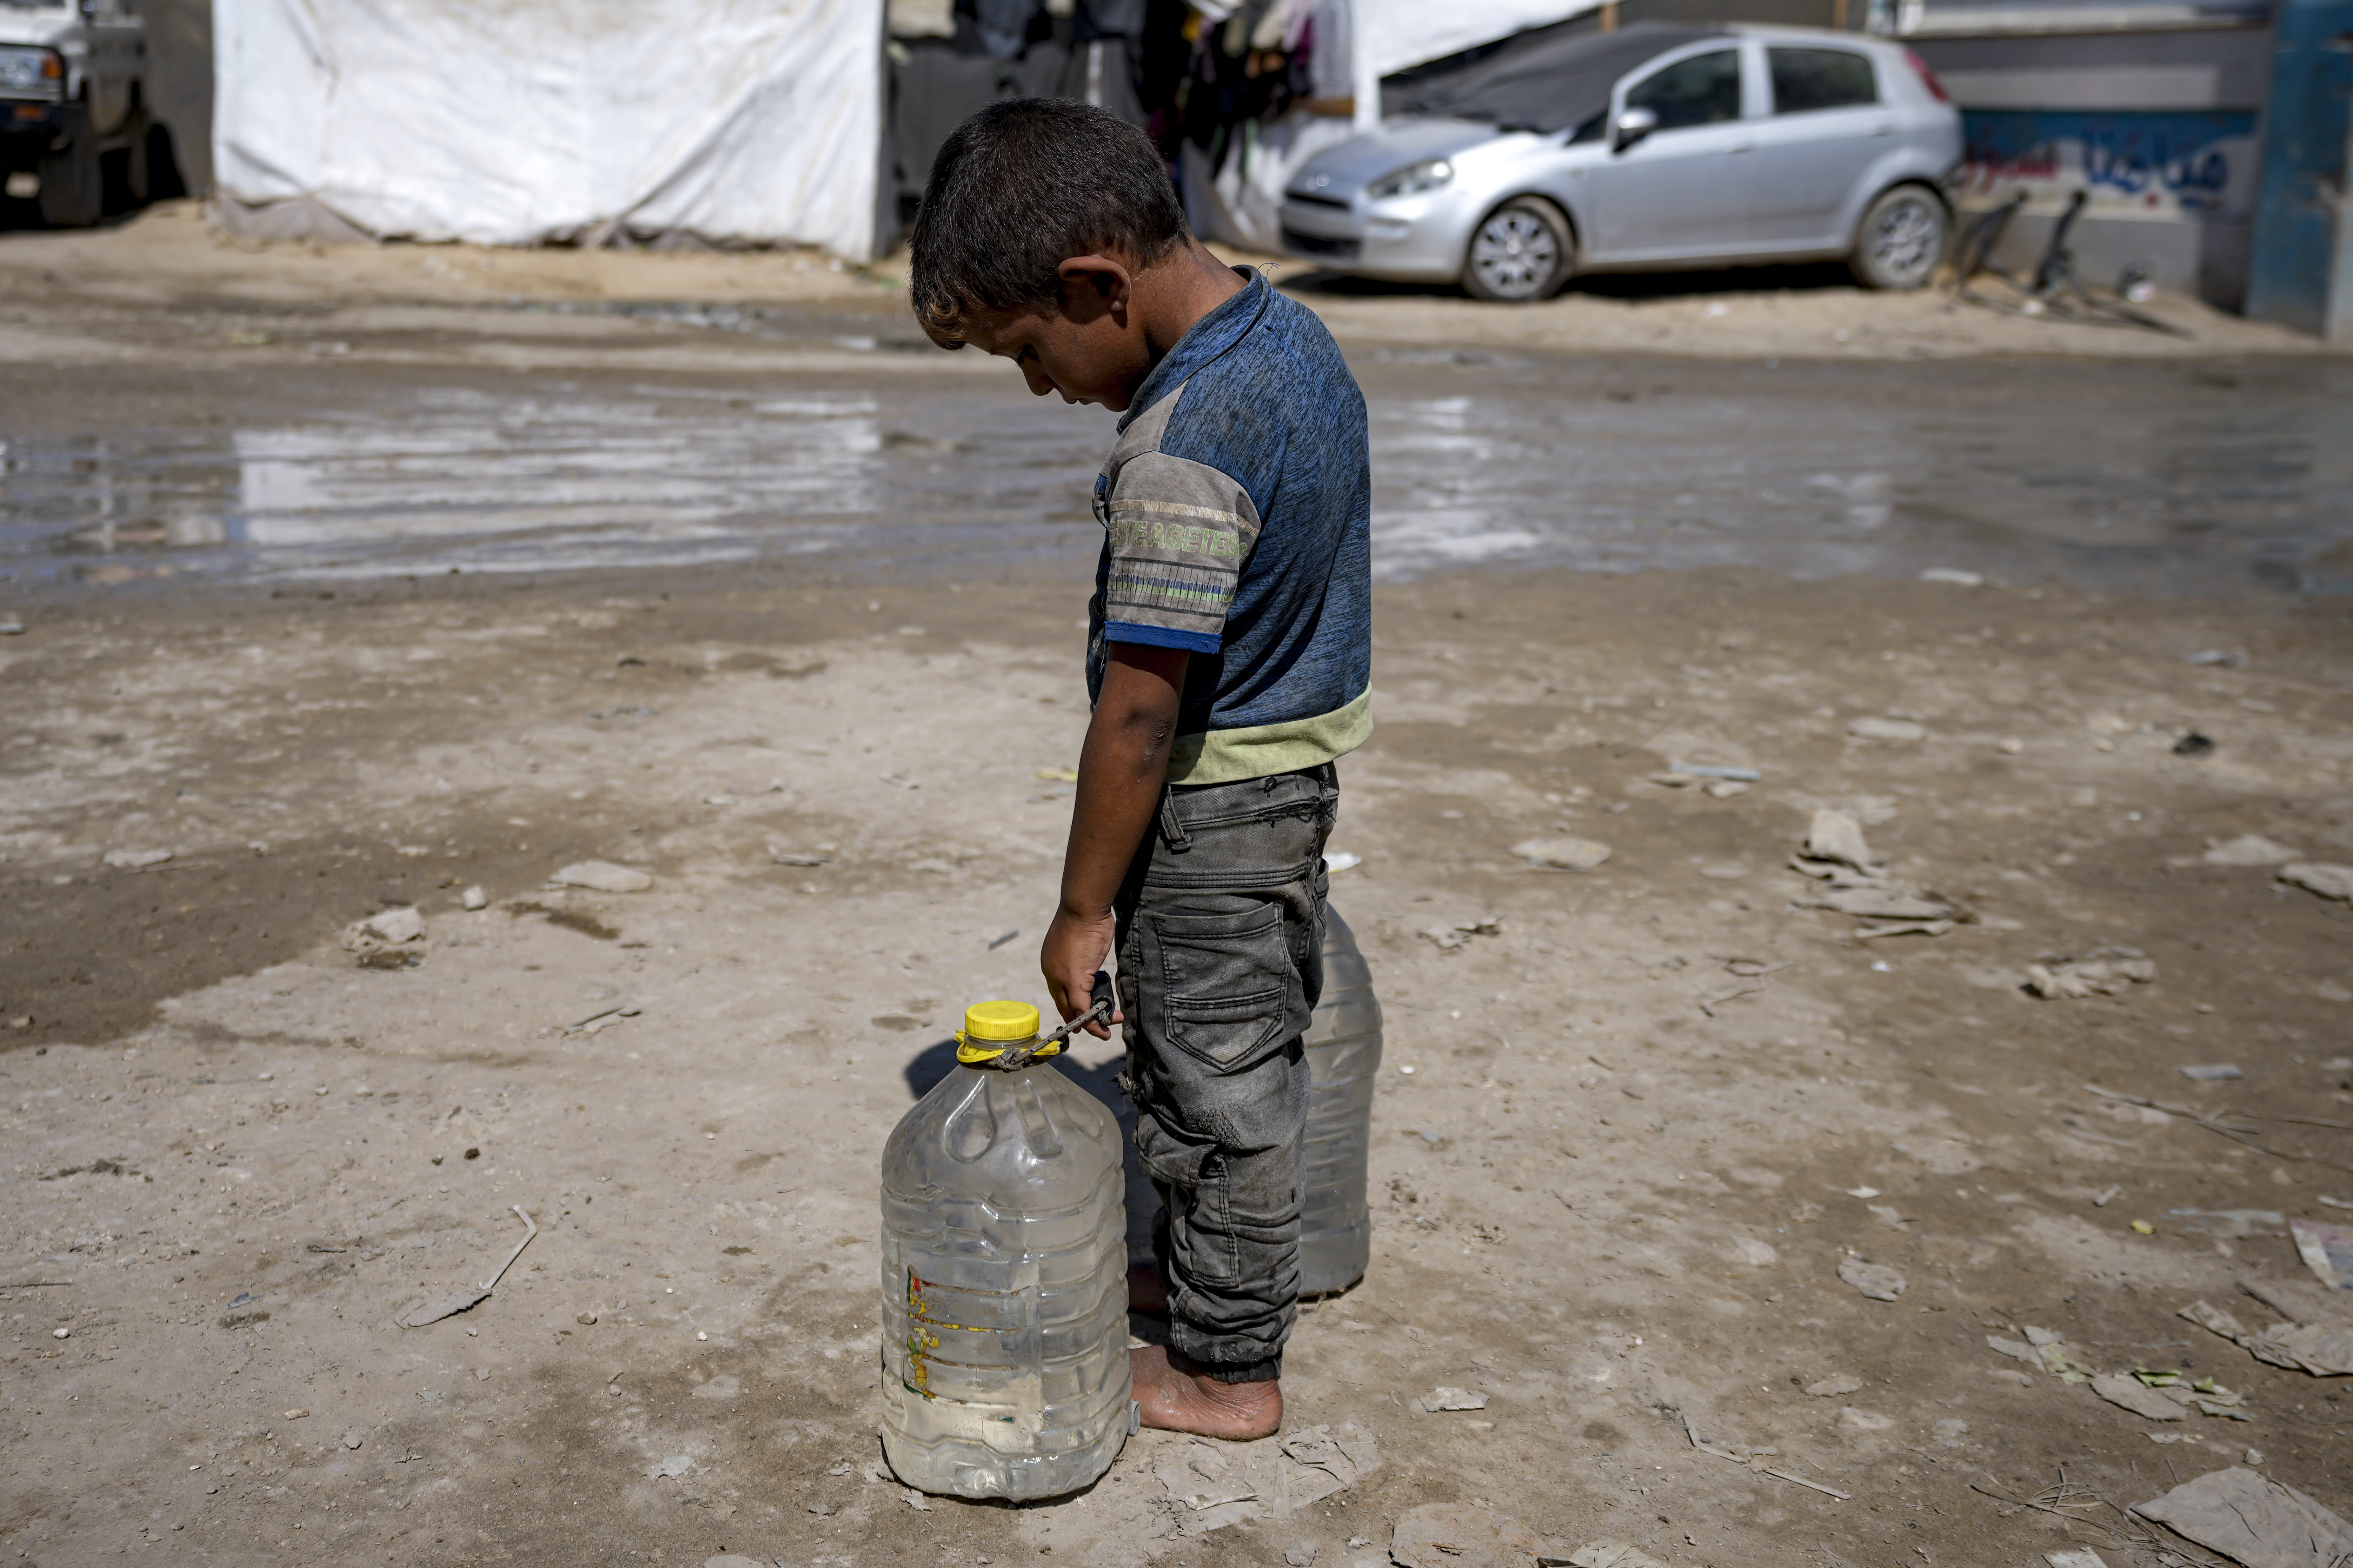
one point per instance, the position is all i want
(1147, 1291)
(1178, 1396)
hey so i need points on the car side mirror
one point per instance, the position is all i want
(1632, 125)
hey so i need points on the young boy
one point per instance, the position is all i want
(1229, 659)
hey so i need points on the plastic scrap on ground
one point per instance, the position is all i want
(1856, 883)
(2328, 881)
(2326, 1250)
(1227, 1483)
(1875, 1280)
(2106, 971)
(2253, 1520)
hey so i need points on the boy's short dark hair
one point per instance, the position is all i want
(1019, 189)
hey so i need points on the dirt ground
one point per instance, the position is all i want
(1652, 1108)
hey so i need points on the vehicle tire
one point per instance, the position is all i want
(1902, 239)
(1520, 253)
(72, 180)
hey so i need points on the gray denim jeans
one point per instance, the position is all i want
(1220, 966)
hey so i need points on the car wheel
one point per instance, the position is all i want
(138, 174)
(1521, 252)
(72, 183)
(1902, 238)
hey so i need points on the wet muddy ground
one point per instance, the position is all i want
(1650, 1113)
(1653, 1107)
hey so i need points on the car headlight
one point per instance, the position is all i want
(32, 73)
(1412, 180)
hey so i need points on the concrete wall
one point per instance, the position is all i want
(2161, 127)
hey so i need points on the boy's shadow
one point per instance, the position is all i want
(935, 1061)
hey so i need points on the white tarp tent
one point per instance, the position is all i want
(1398, 34)
(522, 121)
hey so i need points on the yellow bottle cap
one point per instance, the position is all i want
(1000, 1021)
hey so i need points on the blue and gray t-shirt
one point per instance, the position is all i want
(1237, 507)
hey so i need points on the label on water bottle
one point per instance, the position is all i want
(934, 1306)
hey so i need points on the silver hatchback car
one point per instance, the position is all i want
(1651, 146)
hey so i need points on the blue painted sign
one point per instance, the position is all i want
(2188, 163)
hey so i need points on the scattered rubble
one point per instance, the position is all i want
(2324, 1349)
(1449, 937)
(1856, 883)
(1875, 1280)
(1439, 1399)
(391, 927)
(2252, 1521)
(603, 876)
(2326, 1250)
(2106, 972)
(1562, 854)
(1464, 1536)
(2328, 881)
(1227, 1483)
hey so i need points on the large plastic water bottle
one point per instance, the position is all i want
(1003, 1276)
(1344, 1058)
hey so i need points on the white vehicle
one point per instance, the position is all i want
(1653, 146)
(72, 89)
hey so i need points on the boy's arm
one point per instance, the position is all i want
(1122, 769)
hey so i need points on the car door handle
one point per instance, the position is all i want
(1742, 147)
(1885, 128)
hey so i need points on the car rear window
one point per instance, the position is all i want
(1805, 80)
(1700, 90)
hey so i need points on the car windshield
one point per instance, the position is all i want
(1543, 82)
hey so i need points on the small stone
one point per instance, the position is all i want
(586, 1320)
(675, 1466)
(1872, 728)
(297, 1415)
(353, 1438)
(10, 627)
(1754, 1253)
(1875, 1280)
(1562, 854)
(1302, 1555)
(2328, 881)
(1452, 1399)
(603, 876)
(2249, 849)
(61, 1333)
(390, 929)
(1831, 1387)
(473, 899)
(133, 859)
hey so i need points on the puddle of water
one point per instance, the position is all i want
(2165, 478)
(2148, 479)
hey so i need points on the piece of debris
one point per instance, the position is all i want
(1449, 937)
(1439, 1399)
(2130, 1393)
(1858, 885)
(2229, 1223)
(2211, 1073)
(1302, 1555)
(2326, 1250)
(2078, 1557)
(353, 1438)
(1601, 1554)
(602, 877)
(2227, 657)
(1227, 1483)
(899, 781)
(388, 929)
(2194, 744)
(1836, 837)
(433, 1309)
(1058, 775)
(2328, 881)
(1831, 1387)
(783, 856)
(1711, 770)
(1817, 1485)
(598, 1022)
(1462, 1535)
(671, 1467)
(1875, 1280)
(2248, 849)
(474, 898)
(1874, 729)
(2253, 1520)
(2108, 971)
(10, 627)
(1754, 1253)
(1562, 854)
(1954, 575)
(1341, 861)
(135, 859)
(2321, 1349)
